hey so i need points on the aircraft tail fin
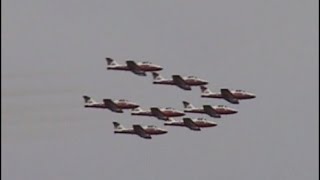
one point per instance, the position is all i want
(111, 62)
(157, 76)
(88, 100)
(205, 90)
(117, 125)
(187, 105)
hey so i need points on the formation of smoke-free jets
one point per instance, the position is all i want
(167, 114)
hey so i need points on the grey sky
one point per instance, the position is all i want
(53, 53)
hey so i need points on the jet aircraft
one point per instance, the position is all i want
(138, 68)
(142, 131)
(160, 113)
(193, 124)
(113, 105)
(232, 96)
(213, 111)
(182, 82)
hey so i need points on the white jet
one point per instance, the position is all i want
(142, 131)
(232, 96)
(138, 68)
(113, 105)
(193, 124)
(213, 111)
(182, 82)
(160, 113)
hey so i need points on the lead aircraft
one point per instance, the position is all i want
(113, 105)
(193, 124)
(142, 131)
(138, 68)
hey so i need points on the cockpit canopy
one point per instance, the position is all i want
(201, 119)
(222, 106)
(146, 62)
(169, 108)
(123, 100)
(192, 77)
(239, 90)
(151, 126)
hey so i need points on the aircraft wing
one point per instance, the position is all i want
(180, 82)
(135, 68)
(112, 106)
(227, 95)
(156, 112)
(210, 111)
(141, 132)
(190, 124)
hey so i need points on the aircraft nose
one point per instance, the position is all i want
(252, 95)
(233, 110)
(164, 131)
(213, 124)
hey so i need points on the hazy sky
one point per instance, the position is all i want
(53, 53)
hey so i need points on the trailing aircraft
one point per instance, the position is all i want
(193, 124)
(213, 111)
(182, 82)
(160, 113)
(232, 96)
(142, 131)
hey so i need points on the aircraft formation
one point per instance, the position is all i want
(167, 114)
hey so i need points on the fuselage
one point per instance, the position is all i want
(119, 67)
(149, 67)
(189, 81)
(96, 105)
(122, 104)
(236, 93)
(199, 123)
(141, 113)
(150, 130)
(195, 81)
(242, 94)
(166, 112)
(165, 82)
(143, 66)
(172, 112)
(219, 109)
(155, 130)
